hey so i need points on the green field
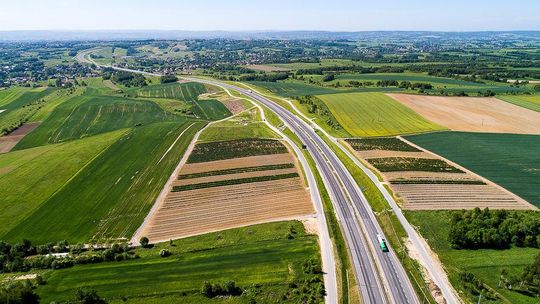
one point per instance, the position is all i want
(93, 114)
(182, 91)
(111, 196)
(260, 259)
(375, 114)
(9, 95)
(289, 89)
(412, 77)
(211, 110)
(29, 177)
(526, 101)
(219, 150)
(485, 264)
(245, 125)
(510, 160)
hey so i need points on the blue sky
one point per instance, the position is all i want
(238, 15)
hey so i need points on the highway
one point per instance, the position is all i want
(380, 275)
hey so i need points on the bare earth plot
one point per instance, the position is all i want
(222, 194)
(473, 114)
(266, 68)
(9, 141)
(422, 180)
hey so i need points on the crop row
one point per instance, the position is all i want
(233, 182)
(441, 182)
(205, 152)
(381, 143)
(390, 164)
(236, 170)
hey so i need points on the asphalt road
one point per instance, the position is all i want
(380, 275)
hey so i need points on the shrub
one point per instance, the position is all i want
(164, 253)
(144, 242)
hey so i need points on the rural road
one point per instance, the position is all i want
(380, 275)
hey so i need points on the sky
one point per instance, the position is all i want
(261, 15)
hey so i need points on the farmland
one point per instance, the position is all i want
(182, 91)
(98, 202)
(219, 150)
(474, 114)
(484, 264)
(93, 114)
(211, 110)
(374, 114)
(31, 176)
(529, 102)
(289, 89)
(258, 182)
(509, 160)
(260, 259)
(421, 180)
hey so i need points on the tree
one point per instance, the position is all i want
(328, 77)
(89, 297)
(144, 242)
(531, 273)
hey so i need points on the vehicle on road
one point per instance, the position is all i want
(382, 243)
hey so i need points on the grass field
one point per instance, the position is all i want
(113, 194)
(526, 101)
(260, 259)
(289, 89)
(182, 91)
(211, 110)
(412, 77)
(375, 114)
(93, 114)
(29, 177)
(509, 160)
(485, 264)
(244, 125)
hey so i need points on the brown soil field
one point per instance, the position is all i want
(9, 141)
(441, 196)
(265, 68)
(192, 212)
(234, 105)
(473, 114)
(251, 161)
(216, 178)
(201, 211)
(445, 197)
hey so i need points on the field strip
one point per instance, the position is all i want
(174, 143)
(487, 181)
(168, 186)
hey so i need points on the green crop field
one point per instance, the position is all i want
(211, 110)
(29, 177)
(9, 95)
(510, 160)
(111, 196)
(526, 101)
(260, 259)
(485, 264)
(412, 77)
(375, 114)
(182, 91)
(93, 114)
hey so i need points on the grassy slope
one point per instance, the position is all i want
(112, 195)
(509, 160)
(374, 114)
(529, 102)
(245, 125)
(8, 95)
(93, 114)
(211, 110)
(182, 91)
(251, 255)
(31, 176)
(485, 264)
